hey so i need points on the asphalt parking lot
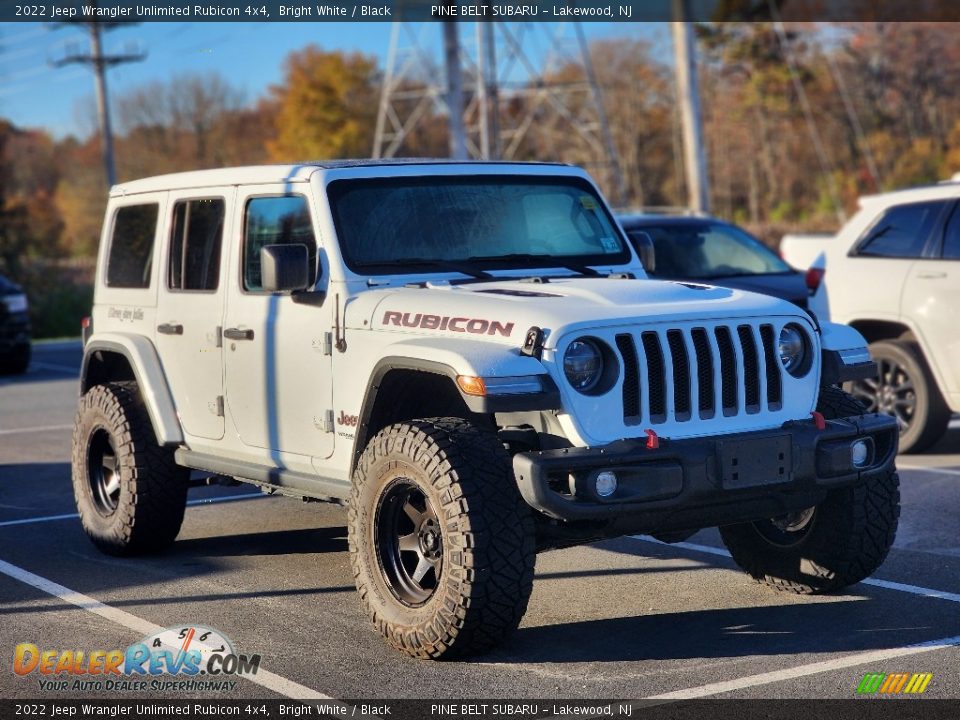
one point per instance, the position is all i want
(629, 618)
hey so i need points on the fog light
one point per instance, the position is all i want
(859, 453)
(606, 483)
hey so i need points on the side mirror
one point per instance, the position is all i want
(284, 268)
(643, 244)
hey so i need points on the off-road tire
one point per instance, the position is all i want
(846, 540)
(16, 361)
(931, 414)
(488, 545)
(149, 503)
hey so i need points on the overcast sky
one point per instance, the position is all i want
(249, 55)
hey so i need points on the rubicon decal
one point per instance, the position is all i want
(477, 326)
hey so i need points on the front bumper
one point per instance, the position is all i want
(703, 482)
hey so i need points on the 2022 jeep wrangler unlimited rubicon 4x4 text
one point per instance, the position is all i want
(470, 356)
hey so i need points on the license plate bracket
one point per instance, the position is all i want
(753, 462)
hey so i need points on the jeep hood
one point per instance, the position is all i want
(503, 310)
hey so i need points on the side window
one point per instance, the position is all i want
(195, 244)
(131, 246)
(283, 220)
(901, 232)
(951, 238)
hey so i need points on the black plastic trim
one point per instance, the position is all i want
(834, 371)
(709, 493)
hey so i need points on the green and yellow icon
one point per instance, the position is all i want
(894, 683)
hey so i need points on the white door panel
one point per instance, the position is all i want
(190, 308)
(278, 383)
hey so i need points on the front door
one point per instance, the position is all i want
(278, 383)
(190, 307)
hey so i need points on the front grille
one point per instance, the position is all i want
(682, 374)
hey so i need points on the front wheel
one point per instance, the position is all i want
(441, 542)
(841, 541)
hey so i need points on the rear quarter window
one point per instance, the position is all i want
(130, 260)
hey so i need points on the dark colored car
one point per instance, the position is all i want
(14, 328)
(704, 249)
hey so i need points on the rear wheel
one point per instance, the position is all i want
(904, 388)
(441, 542)
(839, 542)
(129, 491)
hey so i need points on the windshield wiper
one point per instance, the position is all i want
(548, 260)
(462, 268)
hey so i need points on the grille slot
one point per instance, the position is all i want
(728, 371)
(774, 386)
(656, 377)
(701, 345)
(751, 369)
(631, 379)
(681, 374)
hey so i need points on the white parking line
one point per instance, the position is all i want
(264, 678)
(199, 501)
(886, 584)
(39, 428)
(864, 658)
(943, 471)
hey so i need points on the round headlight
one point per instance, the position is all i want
(793, 349)
(583, 364)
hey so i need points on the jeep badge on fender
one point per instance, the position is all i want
(515, 383)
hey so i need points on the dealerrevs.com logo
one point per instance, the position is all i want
(186, 658)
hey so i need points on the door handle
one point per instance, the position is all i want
(170, 329)
(932, 275)
(238, 334)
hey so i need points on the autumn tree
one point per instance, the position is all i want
(186, 123)
(29, 225)
(326, 105)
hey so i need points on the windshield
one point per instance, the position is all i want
(707, 250)
(443, 224)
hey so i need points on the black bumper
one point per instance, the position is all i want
(702, 482)
(14, 332)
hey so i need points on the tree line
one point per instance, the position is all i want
(799, 122)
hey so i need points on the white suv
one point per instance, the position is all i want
(893, 273)
(470, 356)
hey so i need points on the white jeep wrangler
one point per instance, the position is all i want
(470, 356)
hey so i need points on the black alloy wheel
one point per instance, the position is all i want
(410, 542)
(103, 473)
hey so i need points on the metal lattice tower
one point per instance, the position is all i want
(527, 91)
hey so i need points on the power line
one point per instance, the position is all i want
(99, 62)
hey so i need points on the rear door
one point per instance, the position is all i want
(886, 253)
(191, 304)
(931, 300)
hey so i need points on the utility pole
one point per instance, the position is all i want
(100, 62)
(451, 50)
(688, 95)
(488, 100)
